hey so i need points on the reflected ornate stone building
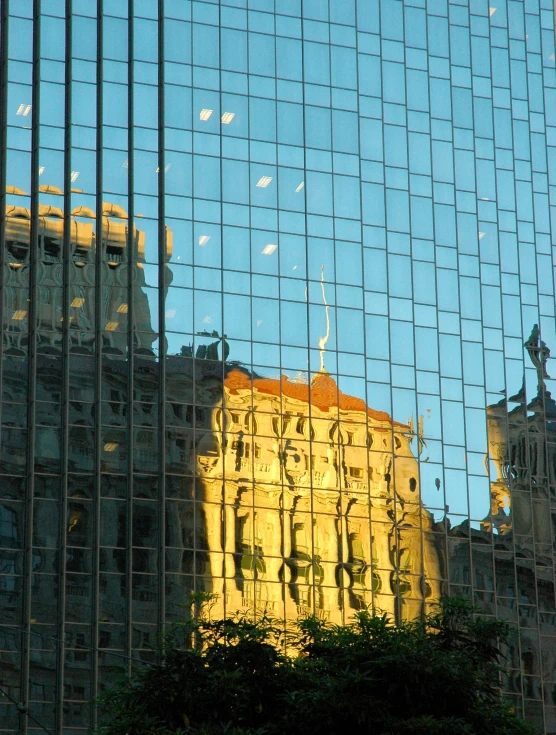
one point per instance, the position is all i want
(116, 239)
(522, 448)
(522, 452)
(311, 503)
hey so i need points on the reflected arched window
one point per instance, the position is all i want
(281, 428)
(250, 422)
(338, 435)
(404, 587)
(218, 419)
(301, 541)
(357, 558)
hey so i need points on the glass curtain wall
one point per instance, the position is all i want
(277, 315)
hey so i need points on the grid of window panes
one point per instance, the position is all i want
(277, 312)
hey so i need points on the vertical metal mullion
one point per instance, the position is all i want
(287, 516)
(422, 510)
(440, 417)
(224, 516)
(251, 496)
(98, 369)
(131, 265)
(364, 337)
(4, 14)
(343, 502)
(390, 391)
(32, 347)
(461, 361)
(508, 392)
(481, 305)
(162, 257)
(193, 308)
(66, 255)
(546, 446)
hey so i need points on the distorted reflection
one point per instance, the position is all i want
(116, 237)
(123, 280)
(305, 498)
(522, 450)
(310, 499)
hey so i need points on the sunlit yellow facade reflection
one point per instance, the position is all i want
(311, 499)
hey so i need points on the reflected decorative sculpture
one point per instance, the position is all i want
(538, 352)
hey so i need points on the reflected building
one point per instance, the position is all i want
(508, 557)
(117, 238)
(268, 278)
(522, 449)
(521, 433)
(311, 503)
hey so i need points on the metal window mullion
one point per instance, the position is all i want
(226, 581)
(364, 337)
(32, 348)
(283, 516)
(4, 14)
(249, 435)
(541, 319)
(66, 256)
(507, 393)
(422, 509)
(162, 257)
(288, 514)
(193, 340)
(343, 502)
(440, 417)
(462, 366)
(531, 435)
(130, 262)
(395, 591)
(95, 608)
(224, 515)
(465, 429)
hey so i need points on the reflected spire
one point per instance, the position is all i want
(324, 340)
(539, 354)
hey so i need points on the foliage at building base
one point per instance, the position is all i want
(245, 676)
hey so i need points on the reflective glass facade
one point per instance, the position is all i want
(277, 313)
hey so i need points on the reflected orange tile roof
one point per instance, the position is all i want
(322, 393)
